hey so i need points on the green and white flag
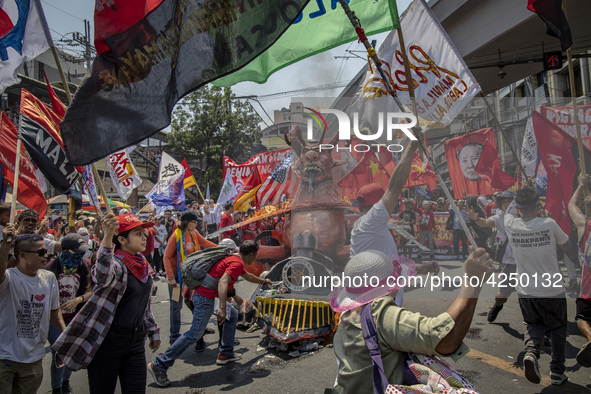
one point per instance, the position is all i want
(322, 25)
(228, 190)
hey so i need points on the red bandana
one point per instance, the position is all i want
(136, 263)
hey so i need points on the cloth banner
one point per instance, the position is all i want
(172, 194)
(561, 169)
(443, 84)
(169, 171)
(489, 167)
(248, 194)
(529, 150)
(39, 131)
(264, 162)
(228, 191)
(123, 173)
(24, 35)
(563, 117)
(462, 154)
(89, 187)
(153, 52)
(29, 191)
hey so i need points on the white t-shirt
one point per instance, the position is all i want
(370, 232)
(160, 233)
(499, 220)
(534, 247)
(26, 303)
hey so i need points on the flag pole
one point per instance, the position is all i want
(69, 96)
(571, 77)
(372, 53)
(505, 137)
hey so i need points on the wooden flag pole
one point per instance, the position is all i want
(502, 130)
(69, 96)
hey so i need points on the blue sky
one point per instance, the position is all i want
(66, 16)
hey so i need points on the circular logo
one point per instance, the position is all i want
(294, 272)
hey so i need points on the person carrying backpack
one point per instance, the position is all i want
(226, 271)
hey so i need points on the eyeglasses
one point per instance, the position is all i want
(40, 252)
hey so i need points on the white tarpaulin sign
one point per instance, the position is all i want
(90, 187)
(443, 84)
(123, 173)
(529, 150)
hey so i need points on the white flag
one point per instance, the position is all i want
(228, 190)
(90, 187)
(169, 171)
(25, 35)
(529, 150)
(123, 173)
(443, 84)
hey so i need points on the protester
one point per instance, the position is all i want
(72, 271)
(453, 223)
(583, 303)
(426, 226)
(226, 271)
(533, 240)
(29, 301)
(252, 229)
(228, 220)
(108, 335)
(4, 216)
(169, 222)
(85, 234)
(481, 234)
(184, 241)
(504, 250)
(159, 245)
(399, 331)
(27, 224)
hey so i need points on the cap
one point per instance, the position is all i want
(228, 243)
(129, 221)
(123, 211)
(74, 243)
(370, 194)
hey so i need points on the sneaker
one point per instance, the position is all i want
(493, 313)
(200, 345)
(584, 356)
(159, 375)
(532, 370)
(56, 391)
(209, 330)
(558, 378)
(66, 388)
(224, 359)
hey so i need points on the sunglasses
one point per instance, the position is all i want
(40, 252)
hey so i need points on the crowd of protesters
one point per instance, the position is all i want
(86, 289)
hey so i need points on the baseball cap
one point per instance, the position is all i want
(74, 243)
(129, 221)
(228, 243)
(370, 194)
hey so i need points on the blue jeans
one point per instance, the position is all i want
(175, 316)
(201, 314)
(228, 335)
(58, 375)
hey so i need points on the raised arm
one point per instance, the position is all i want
(461, 311)
(399, 177)
(576, 215)
(479, 221)
(103, 269)
(8, 233)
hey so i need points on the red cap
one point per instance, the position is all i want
(370, 194)
(128, 221)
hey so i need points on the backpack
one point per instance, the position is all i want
(195, 268)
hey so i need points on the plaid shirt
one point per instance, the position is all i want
(77, 345)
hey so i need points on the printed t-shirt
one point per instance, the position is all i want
(26, 303)
(534, 247)
(233, 265)
(426, 217)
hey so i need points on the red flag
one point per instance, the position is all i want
(248, 194)
(56, 104)
(421, 173)
(489, 168)
(462, 155)
(556, 155)
(29, 191)
(368, 170)
(189, 179)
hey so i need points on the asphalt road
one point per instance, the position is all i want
(494, 365)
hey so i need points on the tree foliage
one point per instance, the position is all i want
(207, 122)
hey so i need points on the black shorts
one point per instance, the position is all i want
(583, 310)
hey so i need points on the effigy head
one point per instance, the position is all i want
(314, 164)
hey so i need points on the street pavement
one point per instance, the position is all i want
(494, 364)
